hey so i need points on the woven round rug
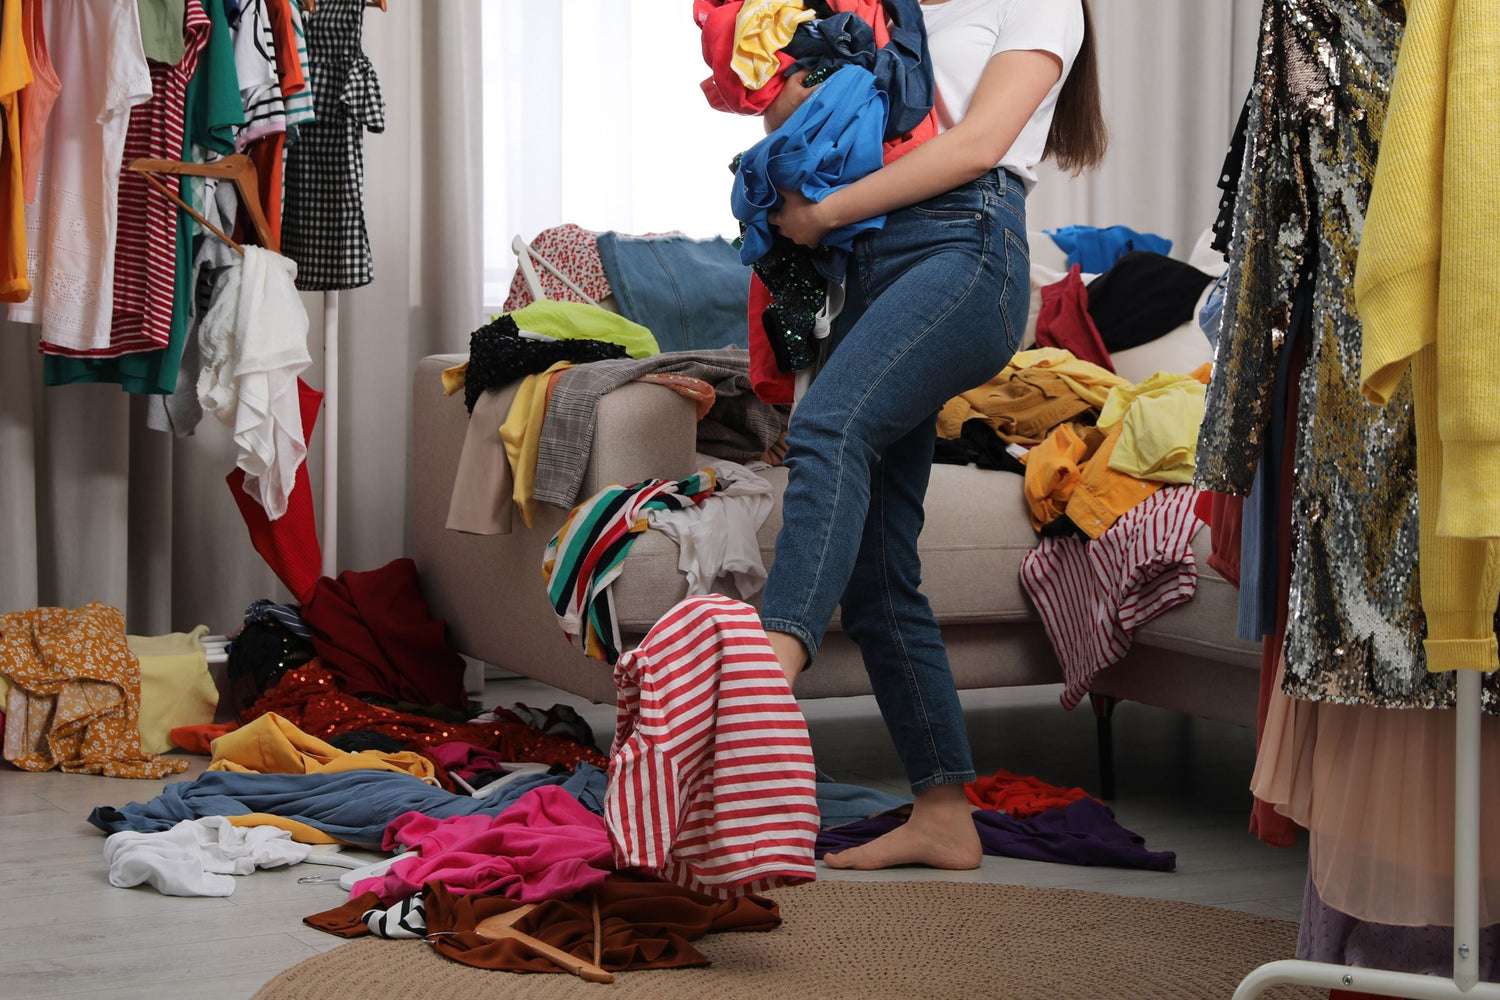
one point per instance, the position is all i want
(877, 940)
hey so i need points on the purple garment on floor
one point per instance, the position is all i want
(1329, 935)
(1082, 833)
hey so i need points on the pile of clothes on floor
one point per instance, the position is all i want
(511, 825)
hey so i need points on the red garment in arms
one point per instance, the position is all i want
(1019, 795)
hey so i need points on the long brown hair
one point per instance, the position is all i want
(1079, 137)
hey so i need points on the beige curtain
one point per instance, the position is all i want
(1173, 74)
(94, 506)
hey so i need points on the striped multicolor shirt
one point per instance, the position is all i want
(711, 780)
(588, 552)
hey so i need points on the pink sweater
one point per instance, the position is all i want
(545, 846)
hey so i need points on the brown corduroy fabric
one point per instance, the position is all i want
(879, 941)
(643, 924)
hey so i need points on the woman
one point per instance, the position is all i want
(936, 304)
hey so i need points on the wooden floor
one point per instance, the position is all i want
(65, 932)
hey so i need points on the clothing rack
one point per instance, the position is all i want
(330, 542)
(1465, 983)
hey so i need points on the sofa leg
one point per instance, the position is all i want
(1104, 709)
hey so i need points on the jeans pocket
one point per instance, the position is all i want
(1015, 292)
(963, 204)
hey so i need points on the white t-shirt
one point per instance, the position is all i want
(70, 230)
(962, 36)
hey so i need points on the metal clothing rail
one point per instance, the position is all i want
(1465, 983)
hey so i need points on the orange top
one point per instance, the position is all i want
(38, 97)
(15, 74)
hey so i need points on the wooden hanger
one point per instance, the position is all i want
(237, 168)
(501, 927)
(311, 7)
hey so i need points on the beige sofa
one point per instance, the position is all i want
(490, 588)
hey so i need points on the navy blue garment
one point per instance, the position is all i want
(832, 140)
(902, 68)
(689, 293)
(1082, 833)
(353, 807)
(1096, 250)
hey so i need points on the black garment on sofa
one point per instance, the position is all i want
(977, 443)
(1143, 296)
(499, 355)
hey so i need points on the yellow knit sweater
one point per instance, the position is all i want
(1428, 292)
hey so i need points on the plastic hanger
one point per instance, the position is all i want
(236, 168)
(524, 257)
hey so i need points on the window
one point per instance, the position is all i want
(593, 115)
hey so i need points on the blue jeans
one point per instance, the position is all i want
(936, 305)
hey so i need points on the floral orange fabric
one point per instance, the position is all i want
(75, 694)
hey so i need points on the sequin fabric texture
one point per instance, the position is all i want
(1316, 112)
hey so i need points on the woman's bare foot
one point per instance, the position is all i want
(939, 834)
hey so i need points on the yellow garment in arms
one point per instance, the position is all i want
(522, 434)
(1159, 421)
(763, 28)
(1085, 378)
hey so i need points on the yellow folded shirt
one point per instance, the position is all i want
(176, 687)
(1159, 420)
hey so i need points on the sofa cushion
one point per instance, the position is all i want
(977, 530)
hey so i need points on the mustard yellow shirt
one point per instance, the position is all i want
(15, 73)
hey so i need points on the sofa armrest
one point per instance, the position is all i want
(641, 431)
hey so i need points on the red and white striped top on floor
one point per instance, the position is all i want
(711, 780)
(1092, 596)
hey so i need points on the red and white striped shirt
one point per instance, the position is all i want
(1092, 596)
(711, 780)
(146, 235)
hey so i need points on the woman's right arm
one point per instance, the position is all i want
(1013, 86)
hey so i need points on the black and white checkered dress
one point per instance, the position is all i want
(323, 224)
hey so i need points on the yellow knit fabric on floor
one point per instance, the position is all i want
(1428, 290)
(271, 744)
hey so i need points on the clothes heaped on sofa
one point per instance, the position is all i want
(689, 293)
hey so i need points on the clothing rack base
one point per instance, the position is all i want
(1465, 983)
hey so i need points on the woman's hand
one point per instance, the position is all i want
(801, 219)
(790, 99)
